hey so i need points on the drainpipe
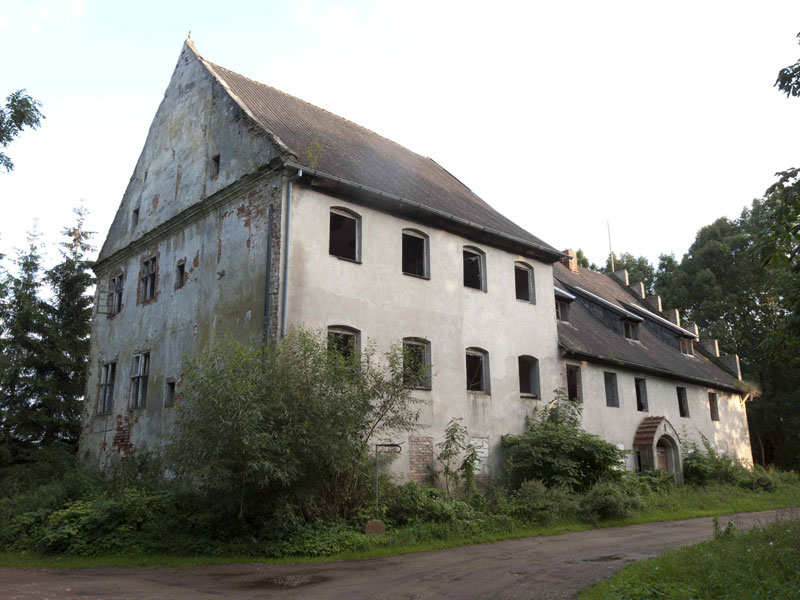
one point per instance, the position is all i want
(285, 289)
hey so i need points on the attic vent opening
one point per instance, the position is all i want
(135, 218)
(214, 166)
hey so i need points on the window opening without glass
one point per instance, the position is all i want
(344, 235)
(140, 370)
(612, 393)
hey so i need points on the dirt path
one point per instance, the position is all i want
(542, 567)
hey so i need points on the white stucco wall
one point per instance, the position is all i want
(619, 425)
(376, 298)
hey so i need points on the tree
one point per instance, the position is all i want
(639, 269)
(20, 111)
(287, 428)
(584, 262)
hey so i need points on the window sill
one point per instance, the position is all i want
(414, 275)
(479, 393)
(345, 259)
(529, 396)
(150, 301)
(467, 287)
(531, 302)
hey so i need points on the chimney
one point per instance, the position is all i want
(621, 276)
(570, 260)
(672, 315)
(693, 328)
(710, 347)
(730, 362)
(637, 289)
(654, 302)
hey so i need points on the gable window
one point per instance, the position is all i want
(523, 282)
(687, 346)
(474, 269)
(562, 311)
(573, 382)
(612, 394)
(477, 361)
(641, 394)
(180, 274)
(630, 330)
(345, 234)
(713, 406)
(683, 402)
(105, 403)
(147, 287)
(417, 363)
(344, 341)
(415, 253)
(169, 393)
(140, 370)
(115, 294)
(528, 376)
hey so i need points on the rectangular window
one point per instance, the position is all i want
(687, 346)
(562, 311)
(683, 402)
(573, 382)
(630, 330)
(139, 374)
(417, 363)
(343, 241)
(523, 283)
(612, 394)
(473, 270)
(105, 402)
(343, 341)
(135, 217)
(148, 281)
(528, 376)
(713, 406)
(115, 294)
(180, 274)
(641, 394)
(169, 393)
(477, 370)
(214, 166)
(415, 255)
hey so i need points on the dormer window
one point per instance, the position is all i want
(630, 330)
(687, 347)
(562, 311)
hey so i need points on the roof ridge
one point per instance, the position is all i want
(306, 102)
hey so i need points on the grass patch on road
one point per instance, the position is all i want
(756, 564)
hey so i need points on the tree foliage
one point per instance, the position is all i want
(20, 111)
(639, 269)
(286, 428)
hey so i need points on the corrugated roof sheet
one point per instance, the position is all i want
(329, 144)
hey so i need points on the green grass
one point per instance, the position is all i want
(680, 503)
(761, 563)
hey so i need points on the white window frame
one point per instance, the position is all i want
(481, 256)
(140, 373)
(115, 286)
(105, 401)
(346, 212)
(484, 356)
(147, 281)
(522, 266)
(426, 262)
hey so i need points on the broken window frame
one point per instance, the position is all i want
(640, 385)
(140, 372)
(683, 402)
(340, 212)
(482, 385)
(336, 333)
(169, 393)
(574, 383)
(147, 281)
(612, 390)
(687, 346)
(180, 274)
(530, 288)
(713, 406)
(562, 311)
(476, 257)
(115, 285)
(630, 331)
(425, 262)
(422, 346)
(105, 400)
(528, 376)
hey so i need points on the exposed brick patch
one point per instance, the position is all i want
(155, 203)
(122, 435)
(420, 458)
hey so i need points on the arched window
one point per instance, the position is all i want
(417, 363)
(416, 259)
(523, 282)
(529, 376)
(345, 234)
(478, 370)
(344, 340)
(474, 268)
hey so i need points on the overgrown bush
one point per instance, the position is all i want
(609, 500)
(410, 503)
(557, 451)
(704, 465)
(534, 502)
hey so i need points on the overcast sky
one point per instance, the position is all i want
(656, 117)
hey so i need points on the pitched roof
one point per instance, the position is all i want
(589, 336)
(327, 144)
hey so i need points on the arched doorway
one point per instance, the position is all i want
(657, 446)
(665, 454)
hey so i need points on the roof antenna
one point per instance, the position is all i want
(610, 251)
